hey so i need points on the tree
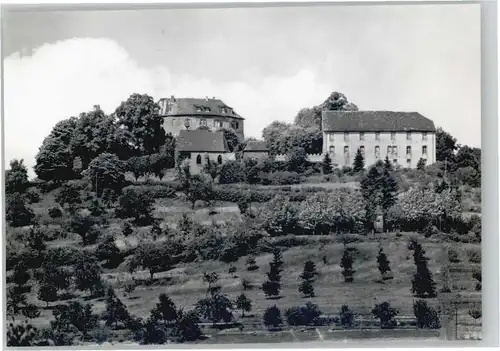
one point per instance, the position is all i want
(383, 263)
(20, 276)
(389, 189)
(138, 165)
(346, 265)
(327, 164)
(359, 162)
(55, 276)
(115, 310)
(305, 315)
(93, 135)
(136, 202)
(306, 287)
(198, 189)
(17, 213)
(233, 141)
(87, 273)
(297, 160)
(475, 313)
(54, 161)
(446, 145)
(107, 250)
(47, 293)
(210, 278)
(251, 264)
(346, 316)
(422, 283)
(31, 311)
(477, 275)
(21, 335)
(215, 308)
(106, 171)
(386, 314)
(83, 225)
(232, 270)
(427, 316)
(272, 317)
(165, 310)
(127, 229)
(16, 178)
(155, 258)
(15, 300)
(244, 304)
(211, 168)
(142, 125)
(421, 164)
(185, 224)
(188, 327)
(77, 315)
(272, 286)
(69, 194)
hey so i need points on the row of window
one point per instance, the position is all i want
(198, 160)
(377, 136)
(204, 123)
(391, 150)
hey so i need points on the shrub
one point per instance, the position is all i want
(272, 317)
(386, 314)
(427, 316)
(156, 191)
(306, 315)
(474, 255)
(232, 172)
(55, 212)
(135, 202)
(33, 196)
(453, 255)
(346, 316)
(17, 213)
(63, 256)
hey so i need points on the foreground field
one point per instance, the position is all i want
(184, 284)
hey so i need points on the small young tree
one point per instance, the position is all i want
(47, 293)
(185, 224)
(475, 313)
(478, 276)
(251, 264)
(197, 189)
(165, 310)
(210, 278)
(31, 311)
(346, 265)
(309, 271)
(16, 178)
(421, 164)
(297, 160)
(306, 288)
(116, 311)
(346, 316)
(247, 284)
(383, 263)
(87, 273)
(422, 283)
(327, 164)
(244, 304)
(272, 317)
(17, 213)
(156, 231)
(188, 328)
(211, 168)
(215, 308)
(127, 229)
(426, 316)
(232, 271)
(386, 314)
(272, 286)
(359, 162)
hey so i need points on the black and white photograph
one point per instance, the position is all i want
(230, 175)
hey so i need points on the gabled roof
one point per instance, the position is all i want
(375, 121)
(256, 145)
(201, 141)
(201, 107)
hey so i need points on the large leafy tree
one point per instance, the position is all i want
(281, 138)
(93, 135)
(54, 160)
(16, 178)
(106, 171)
(446, 145)
(138, 118)
(17, 213)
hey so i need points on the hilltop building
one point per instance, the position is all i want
(190, 114)
(404, 137)
(256, 149)
(196, 145)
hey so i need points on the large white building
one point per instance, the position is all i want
(405, 137)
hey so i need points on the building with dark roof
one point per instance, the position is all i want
(192, 113)
(404, 137)
(256, 149)
(198, 146)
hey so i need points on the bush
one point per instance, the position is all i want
(33, 196)
(280, 178)
(156, 191)
(474, 255)
(63, 256)
(453, 255)
(232, 172)
(427, 316)
(135, 202)
(55, 212)
(307, 315)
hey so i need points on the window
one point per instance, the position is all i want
(393, 136)
(377, 151)
(346, 150)
(218, 124)
(408, 163)
(408, 136)
(346, 136)
(223, 110)
(377, 136)
(424, 136)
(219, 159)
(361, 136)
(175, 122)
(198, 160)
(203, 122)
(395, 150)
(424, 150)
(332, 150)
(389, 150)
(235, 124)
(408, 150)
(362, 149)
(331, 138)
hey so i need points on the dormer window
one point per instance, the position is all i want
(223, 110)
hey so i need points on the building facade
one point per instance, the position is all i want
(256, 149)
(190, 114)
(404, 137)
(195, 146)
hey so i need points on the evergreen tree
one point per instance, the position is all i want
(421, 164)
(359, 162)
(327, 164)
(165, 310)
(272, 286)
(272, 317)
(187, 326)
(422, 283)
(383, 263)
(115, 310)
(306, 287)
(386, 314)
(427, 316)
(346, 316)
(244, 304)
(442, 186)
(251, 264)
(47, 293)
(389, 189)
(346, 263)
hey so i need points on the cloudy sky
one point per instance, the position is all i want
(266, 63)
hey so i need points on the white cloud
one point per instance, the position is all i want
(66, 78)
